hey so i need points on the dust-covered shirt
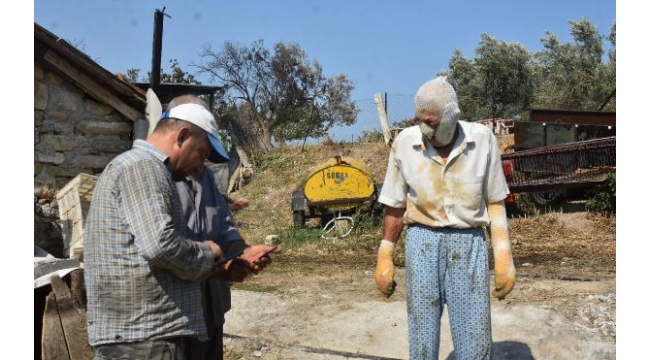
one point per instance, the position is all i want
(141, 271)
(437, 194)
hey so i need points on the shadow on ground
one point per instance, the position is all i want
(505, 350)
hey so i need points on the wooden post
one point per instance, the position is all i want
(65, 334)
(383, 118)
(53, 340)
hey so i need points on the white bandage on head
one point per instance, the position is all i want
(437, 94)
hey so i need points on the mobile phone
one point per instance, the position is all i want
(266, 253)
(228, 257)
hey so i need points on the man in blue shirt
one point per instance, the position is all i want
(208, 217)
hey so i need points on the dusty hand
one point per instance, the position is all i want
(237, 270)
(257, 258)
(253, 260)
(385, 272)
(233, 270)
(238, 204)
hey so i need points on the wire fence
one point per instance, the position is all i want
(399, 108)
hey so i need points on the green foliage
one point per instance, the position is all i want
(573, 75)
(275, 161)
(363, 239)
(602, 198)
(176, 76)
(371, 136)
(294, 238)
(404, 123)
(376, 136)
(497, 83)
(257, 158)
(132, 75)
(505, 80)
(278, 94)
(368, 220)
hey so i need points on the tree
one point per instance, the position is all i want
(132, 75)
(573, 75)
(177, 75)
(277, 95)
(497, 83)
(464, 77)
(506, 76)
(609, 73)
(505, 80)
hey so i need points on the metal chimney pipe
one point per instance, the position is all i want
(157, 49)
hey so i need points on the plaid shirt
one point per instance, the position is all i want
(141, 272)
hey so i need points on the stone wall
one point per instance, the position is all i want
(73, 134)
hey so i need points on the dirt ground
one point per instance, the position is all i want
(563, 305)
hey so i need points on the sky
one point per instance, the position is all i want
(381, 46)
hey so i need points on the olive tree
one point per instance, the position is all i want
(276, 95)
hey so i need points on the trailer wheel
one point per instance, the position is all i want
(547, 197)
(299, 219)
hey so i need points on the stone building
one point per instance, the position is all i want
(84, 116)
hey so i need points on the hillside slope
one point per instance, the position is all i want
(283, 171)
(565, 242)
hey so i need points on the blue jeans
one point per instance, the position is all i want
(167, 349)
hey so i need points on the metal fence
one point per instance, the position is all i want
(562, 166)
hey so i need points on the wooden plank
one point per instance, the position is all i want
(383, 119)
(78, 287)
(53, 345)
(47, 40)
(73, 320)
(92, 87)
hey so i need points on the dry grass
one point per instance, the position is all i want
(552, 245)
(560, 245)
(282, 172)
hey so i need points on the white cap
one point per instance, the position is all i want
(201, 117)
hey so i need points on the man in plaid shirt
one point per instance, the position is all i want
(142, 271)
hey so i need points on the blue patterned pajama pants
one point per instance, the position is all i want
(448, 266)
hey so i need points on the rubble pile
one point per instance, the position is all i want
(47, 230)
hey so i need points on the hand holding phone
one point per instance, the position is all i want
(268, 252)
(237, 270)
(259, 256)
(228, 257)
